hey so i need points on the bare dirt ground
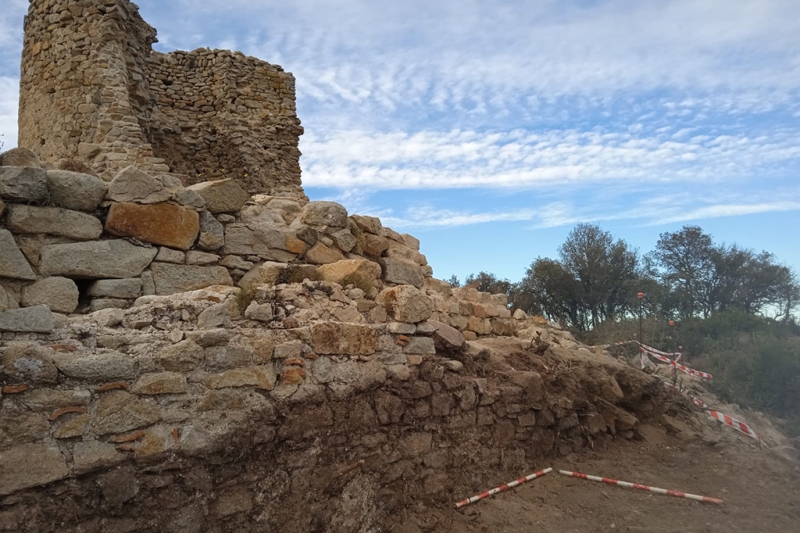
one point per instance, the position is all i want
(761, 494)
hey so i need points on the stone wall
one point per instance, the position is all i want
(181, 415)
(92, 90)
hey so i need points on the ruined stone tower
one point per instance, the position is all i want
(93, 90)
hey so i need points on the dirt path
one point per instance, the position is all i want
(761, 493)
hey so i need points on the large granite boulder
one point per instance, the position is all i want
(115, 259)
(222, 196)
(171, 279)
(12, 262)
(166, 224)
(54, 221)
(23, 185)
(59, 294)
(75, 190)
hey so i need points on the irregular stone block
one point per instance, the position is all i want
(103, 304)
(402, 273)
(51, 399)
(182, 357)
(222, 196)
(12, 263)
(446, 338)
(116, 288)
(272, 273)
(7, 301)
(20, 157)
(133, 185)
(160, 383)
(262, 240)
(344, 240)
(259, 312)
(337, 338)
(261, 377)
(96, 367)
(94, 455)
(328, 214)
(96, 260)
(372, 245)
(194, 257)
(171, 279)
(168, 255)
(23, 184)
(351, 271)
(369, 224)
(212, 233)
(320, 254)
(411, 241)
(59, 294)
(37, 319)
(74, 190)
(29, 466)
(420, 346)
(165, 224)
(406, 304)
(29, 364)
(54, 221)
(119, 411)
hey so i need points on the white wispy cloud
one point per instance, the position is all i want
(520, 159)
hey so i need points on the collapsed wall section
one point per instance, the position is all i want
(93, 91)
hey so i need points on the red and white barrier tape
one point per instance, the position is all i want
(738, 425)
(682, 368)
(659, 352)
(676, 493)
(502, 488)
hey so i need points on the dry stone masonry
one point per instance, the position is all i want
(188, 344)
(94, 93)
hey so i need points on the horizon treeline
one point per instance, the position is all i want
(596, 278)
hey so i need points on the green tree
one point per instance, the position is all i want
(488, 282)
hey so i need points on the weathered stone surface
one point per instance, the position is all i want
(369, 224)
(6, 300)
(168, 255)
(194, 257)
(273, 272)
(263, 240)
(171, 279)
(53, 221)
(320, 254)
(235, 501)
(29, 364)
(94, 455)
(119, 411)
(350, 271)
(411, 241)
(446, 338)
(222, 196)
(337, 338)
(116, 288)
(212, 233)
(189, 198)
(183, 357)
(30, 466)
(117, 259)
(20, 157)
(214, 317)
(73, 190)
(52, 399)
(372, 245)
(402, 273)
(344, 240)
(2, 208)
(119, 485)
(160, 383)
(259, 312)
(37, 319)
(261, 377)
(406, 304)
(420, 346)
(133, 185)
(23, 185)
(96, 367)
(328, 214)
(59, 294)
(165, 224)
(12, 263)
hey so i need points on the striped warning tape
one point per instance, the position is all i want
(738, 425)
(682, 368)
(502, 488)
(625, 484)
(659, 352)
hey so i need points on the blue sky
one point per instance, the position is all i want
(488, 129)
